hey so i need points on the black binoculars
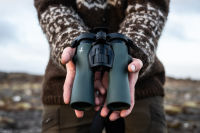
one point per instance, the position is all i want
(100, 51)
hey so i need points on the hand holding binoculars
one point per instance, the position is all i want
(101, 52)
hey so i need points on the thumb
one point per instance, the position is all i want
(71, 71)
(135, 65)
(67, 54)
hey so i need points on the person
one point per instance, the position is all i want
(142, 21)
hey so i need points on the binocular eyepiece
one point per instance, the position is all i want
(101, 52)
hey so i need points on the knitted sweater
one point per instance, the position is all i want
(141, 20)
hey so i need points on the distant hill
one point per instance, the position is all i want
(19, 77)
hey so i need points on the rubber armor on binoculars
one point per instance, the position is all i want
(100, 51)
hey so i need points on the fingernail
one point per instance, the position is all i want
(103, 113)
(124, 114)
(113, 118)
(80, 115)
(133, 68)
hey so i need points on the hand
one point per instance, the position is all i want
(133, 68)
(100, 84)
(67, 56)
(66, 59)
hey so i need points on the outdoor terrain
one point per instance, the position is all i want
(20, 106)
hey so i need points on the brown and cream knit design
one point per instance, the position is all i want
(61, 26)
(92, 4)
(143, 24)
(98, 4)
(141, 20)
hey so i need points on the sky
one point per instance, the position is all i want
(24, 48)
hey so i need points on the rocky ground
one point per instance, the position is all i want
(20, 106)
(182, 105)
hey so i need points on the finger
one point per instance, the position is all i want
(67, 54)
(79, 114)
(104, 111)
(125, 113)
(132, 80)
(97, 75)
(98, 84)
(135, 65)
(132, 77)
(101, 99)
(69, 81)
(99, 87)
(97, 100)
(105, 80)
(97, 108)
(114, 115)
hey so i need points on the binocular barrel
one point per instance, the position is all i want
(111, 55)
(82, 97)
(118, 93)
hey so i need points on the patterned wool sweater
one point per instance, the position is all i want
(141, 20)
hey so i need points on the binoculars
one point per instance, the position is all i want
(100, 51)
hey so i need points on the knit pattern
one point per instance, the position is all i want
(141, 20)
(92, 4)
(143, 24)
(61, 26)
(97, 4)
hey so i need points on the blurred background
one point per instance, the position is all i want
(24, 53)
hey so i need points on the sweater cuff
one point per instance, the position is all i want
(61, 26)
(143, 24)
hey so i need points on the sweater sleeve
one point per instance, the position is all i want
(61, 25)
(143, 23)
